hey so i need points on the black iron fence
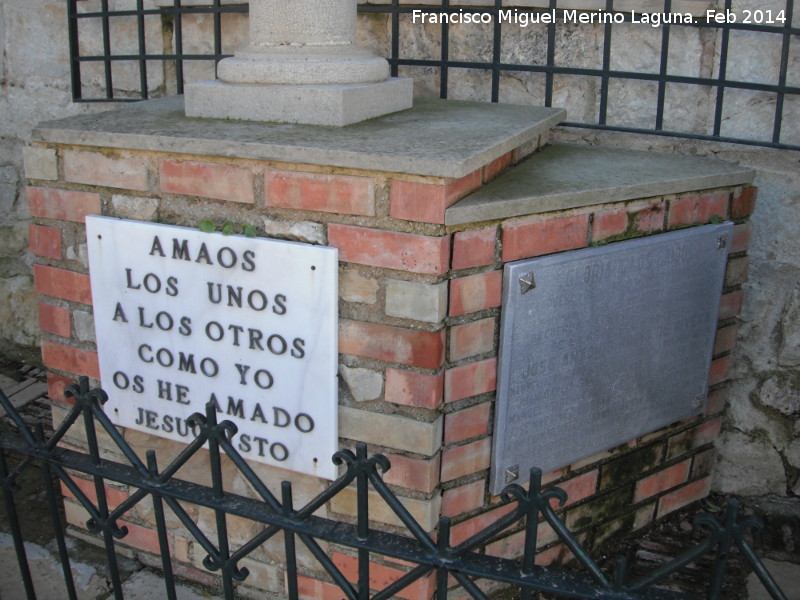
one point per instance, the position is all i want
(430, 555)
(100, 56)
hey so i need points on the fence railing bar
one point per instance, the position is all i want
(759, 569)
(465, 565)
(575, 547)
(678, 134)
(690, 556)
(74, 51)
(782, 73)
(443, 551)
(395, 37)
(402, 582)
(217, 34)
(290, 550)
(8, 484)
(469, 585)
(163, 10)
(497, 46)
(721, 74)
(362, 521)
(662, 68)
(401, 511)
(55, 518)
(501, 524)
(161, 531)
(605, 77)
(142, 49)
(109, 528)
(445, 54)
(104, 19)
(551, 59)
(325, 561)
(250, 475)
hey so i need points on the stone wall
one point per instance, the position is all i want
(34, 76)
(759, 429)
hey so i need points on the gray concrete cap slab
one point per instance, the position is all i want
(443, 138)
(564, 176)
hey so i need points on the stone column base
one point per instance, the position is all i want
(308, 104)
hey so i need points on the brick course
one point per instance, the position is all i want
(683, 496)
(533, 236)
(609, 223)
(60, 283)
(55, 320)
(662, 481)
(96, 168)
(474, 248)
(698, 209)
(412, 473)
(414, 389)
(320, 192)
(463, 499)
(392, 344)
(472, 339)
(62, 205)
(427, 202)
(45, 241)
(70, 359)
(467, 459)
(207, 180)
(381, 576)
(468, 423)
(391, 249)
(743, 202)
(475, 292)
(470, 380)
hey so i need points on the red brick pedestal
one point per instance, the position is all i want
(420, 291)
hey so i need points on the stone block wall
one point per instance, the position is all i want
(419, 314)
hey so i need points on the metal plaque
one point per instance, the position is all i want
(601, 345)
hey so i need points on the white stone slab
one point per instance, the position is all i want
(564, 176)
(333, 105)
(185, 317)
(443, 138)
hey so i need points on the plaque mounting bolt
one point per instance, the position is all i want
(722, 242)
(527, 283)
(512, 473)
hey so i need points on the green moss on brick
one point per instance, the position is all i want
(631, 466)
(601, 509)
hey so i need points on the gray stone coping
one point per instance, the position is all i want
(564, 176)
(443, 138)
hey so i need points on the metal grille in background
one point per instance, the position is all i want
(771, 28)
(103, 53)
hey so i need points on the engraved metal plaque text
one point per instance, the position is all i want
(601, 345)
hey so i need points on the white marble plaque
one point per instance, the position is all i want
(185, 317)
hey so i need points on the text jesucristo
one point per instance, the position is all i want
(184, 318)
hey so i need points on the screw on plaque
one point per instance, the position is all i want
(697, 402)
(527, 283)
(722, 242)
(512, 473)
